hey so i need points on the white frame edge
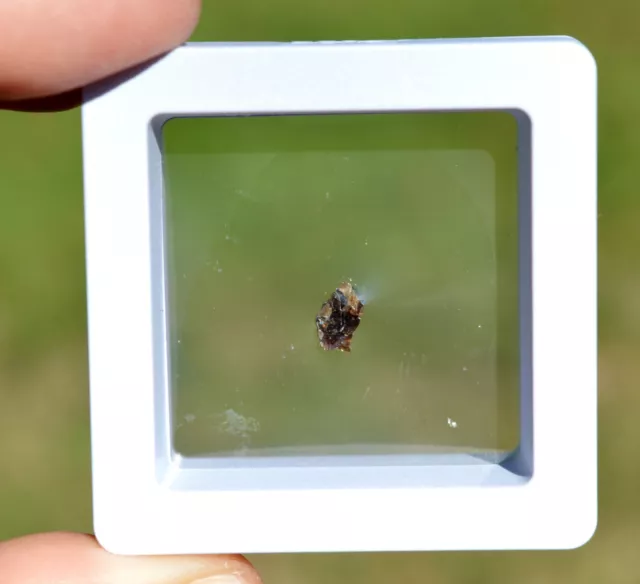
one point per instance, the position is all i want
(548, 499)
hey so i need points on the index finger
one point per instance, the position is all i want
(51, 48)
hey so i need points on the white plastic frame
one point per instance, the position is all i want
(147, 500)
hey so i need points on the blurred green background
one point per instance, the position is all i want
(44, 427)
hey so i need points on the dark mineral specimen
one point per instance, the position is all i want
(338, 318)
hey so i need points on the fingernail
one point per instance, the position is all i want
(219, 579)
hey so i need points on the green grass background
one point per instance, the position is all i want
(44, 426)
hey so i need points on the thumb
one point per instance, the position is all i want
(72, 558)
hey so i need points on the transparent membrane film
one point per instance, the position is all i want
(414, 215)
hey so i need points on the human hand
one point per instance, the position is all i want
(74, 558)
(48, 51)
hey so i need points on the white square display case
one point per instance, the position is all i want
(150, 500)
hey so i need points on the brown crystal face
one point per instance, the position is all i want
(338, 319)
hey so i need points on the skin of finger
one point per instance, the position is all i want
(51, 103)
(50, 47)
(73, 558)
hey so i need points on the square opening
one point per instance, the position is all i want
(265, 216)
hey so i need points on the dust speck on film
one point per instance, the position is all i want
(235, 424)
